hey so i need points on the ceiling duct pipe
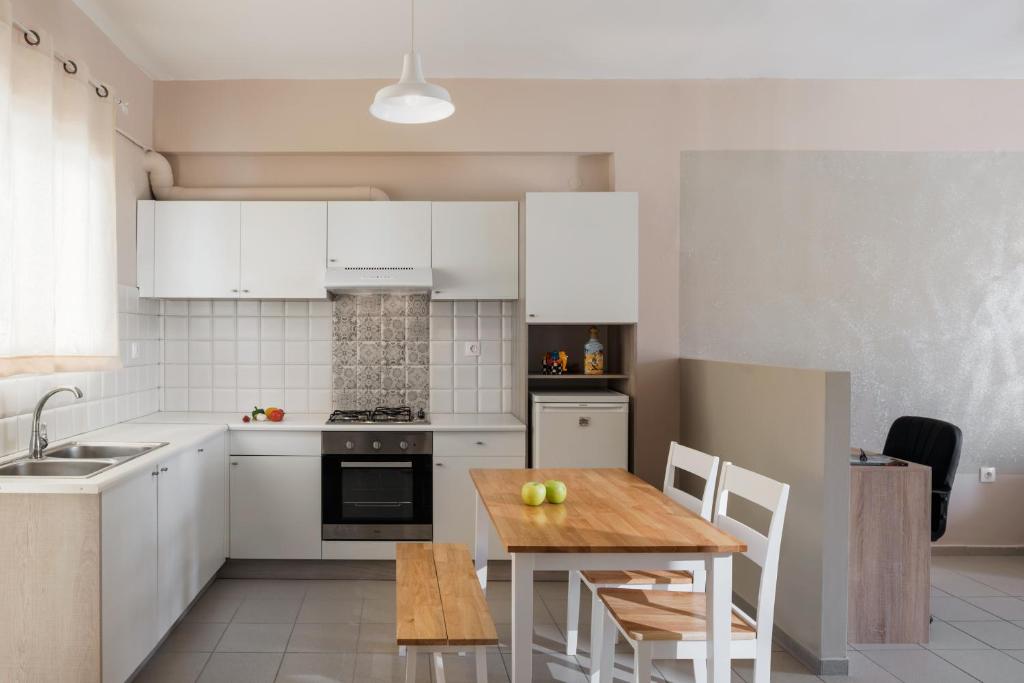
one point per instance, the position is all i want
(161, 182)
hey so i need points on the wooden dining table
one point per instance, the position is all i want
(611, 519)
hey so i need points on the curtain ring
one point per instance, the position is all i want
(70, 67)
(102, 90)
(32, 38)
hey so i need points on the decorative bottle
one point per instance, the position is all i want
(593, 355)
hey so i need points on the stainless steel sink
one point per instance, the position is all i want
(77, 459)
(27, 467)
(100, 451)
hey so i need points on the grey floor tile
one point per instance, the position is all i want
(958, 609)
(462, 669)
(384, 668)
(213, 608)
(937, 592)
(552, 668)
(1016, 654)
(988, 666)
(326, 638)
(555, 590)
(173, 667)
(281, 589)
(943, 636)
(918, 666)
(681, 671)
(867, 647)
(302, 667)
(193, 637)
(330, 611)
(378, 611)
(268, 611)
(377, 638)
(862, 670)
(235, 667)
(1002, 607)
(785, 669)
(1001, 635)
(350, 590)
(957, 584)
(228, 588)
(255, 638)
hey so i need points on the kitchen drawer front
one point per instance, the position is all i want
(275, 443)
(480, 443)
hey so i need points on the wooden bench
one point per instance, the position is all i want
(440, 606)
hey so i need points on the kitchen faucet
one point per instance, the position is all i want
(38, 442)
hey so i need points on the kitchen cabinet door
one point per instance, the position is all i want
(455, 502)
(475, 250)
(128, 551)
(196, 249)
(178, 535)
(275, 507)
(378, 234)
(212, 506)
(284, 250)
(582, 255)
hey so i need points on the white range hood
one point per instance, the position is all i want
(367, 280)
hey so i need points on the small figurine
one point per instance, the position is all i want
(563, 360)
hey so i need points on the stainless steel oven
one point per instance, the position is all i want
(377, 486)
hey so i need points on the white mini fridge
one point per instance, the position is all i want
(579, 429)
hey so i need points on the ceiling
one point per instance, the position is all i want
(226, 39)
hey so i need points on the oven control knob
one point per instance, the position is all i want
(403, 445)
(376, 445)
(349, 445)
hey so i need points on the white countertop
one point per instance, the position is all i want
(305, 422)
(177, 436)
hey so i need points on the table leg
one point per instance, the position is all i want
(522, 617)
(482, 532)
(719, 611)
(596, 637)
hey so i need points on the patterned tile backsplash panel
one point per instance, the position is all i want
(381, 351)
(111, 396)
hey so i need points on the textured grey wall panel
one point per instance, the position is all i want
(907, 269)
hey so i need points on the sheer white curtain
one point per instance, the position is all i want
(58, 253)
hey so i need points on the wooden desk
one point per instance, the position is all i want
(610, 520)
(890, 553)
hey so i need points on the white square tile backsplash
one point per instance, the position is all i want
(110, 396)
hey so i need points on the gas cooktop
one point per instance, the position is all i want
(380, 415)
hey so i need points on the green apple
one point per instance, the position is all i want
(555, 491)
(533, 493)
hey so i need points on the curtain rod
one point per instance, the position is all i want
(70, 67)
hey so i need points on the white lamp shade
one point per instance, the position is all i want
(412, 99)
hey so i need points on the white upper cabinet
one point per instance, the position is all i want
(284, 247)
(378, 234)
(196, 248)
(582, 257)
(475, 250)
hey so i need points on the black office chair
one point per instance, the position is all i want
(936, 444)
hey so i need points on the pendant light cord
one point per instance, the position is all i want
(412, 25)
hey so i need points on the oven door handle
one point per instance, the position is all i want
(376, 465)
(380, 505)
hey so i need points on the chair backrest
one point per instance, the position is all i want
(695, 462)
(927, 441)
(762, 550)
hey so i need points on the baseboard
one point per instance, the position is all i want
(940, 550)
(837, 666)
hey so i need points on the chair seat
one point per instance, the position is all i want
(631, 577)
(664, 615)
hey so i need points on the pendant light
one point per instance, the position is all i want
(412, 99)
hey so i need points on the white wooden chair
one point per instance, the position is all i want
(669, 625)
(691, 578)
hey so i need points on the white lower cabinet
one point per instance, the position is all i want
(275, 507)
(162, 539)
(455, 499)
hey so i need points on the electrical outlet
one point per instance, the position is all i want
(134, 351)
(987, 475)
(472, 349)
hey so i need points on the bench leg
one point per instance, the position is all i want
(410, 664)
(572, 608)
(481, 664)
(438, 668)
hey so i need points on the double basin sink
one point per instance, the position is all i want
(77, 459)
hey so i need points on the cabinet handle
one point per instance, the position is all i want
(438, 464)
(235, 291)
(533, 315)
(437, 291)
(234, 464)
(200, 450)
(479, 443)
(246, 291)
(154, 473)
(163, 469)
(332, 260)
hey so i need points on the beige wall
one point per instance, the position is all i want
(643, 124)
(78, 38)
(791, 425)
